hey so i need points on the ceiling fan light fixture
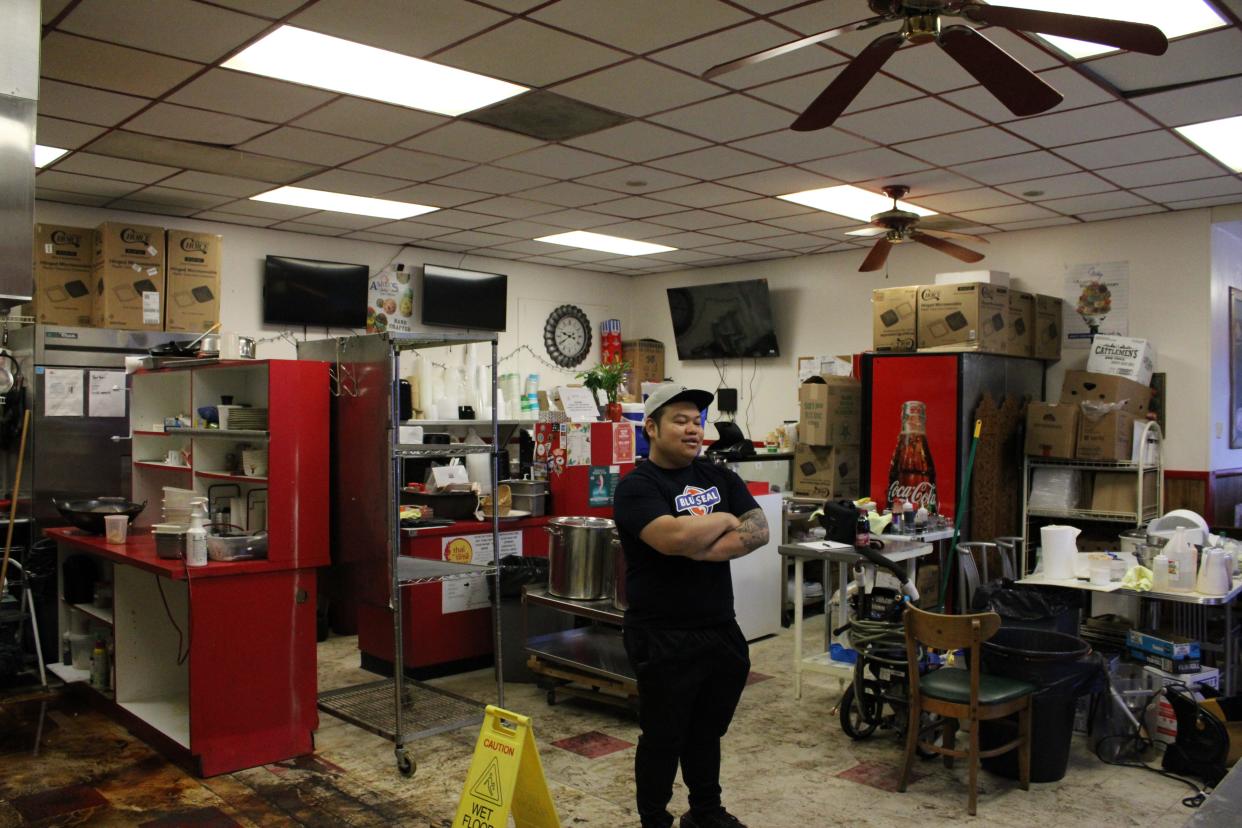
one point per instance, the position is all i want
(853, 202)
(1174, 19)
(1221, 139)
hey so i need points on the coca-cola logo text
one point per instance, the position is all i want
(131, 236)
(190, 245)
(923, 493)
(61, 237)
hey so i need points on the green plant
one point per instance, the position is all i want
(606, 377)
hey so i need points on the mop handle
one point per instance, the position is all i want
(17, 485)
(961, 511)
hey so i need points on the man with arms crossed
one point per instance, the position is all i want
(681, 520)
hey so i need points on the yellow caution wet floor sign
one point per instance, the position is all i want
(505, 777)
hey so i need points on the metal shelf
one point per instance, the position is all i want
(599, 610)
(435, 450)
(466, 423)
(222, 433)
(1091, 514)
(372, 707)
(435, 339)
(426, 571)
(595, 649)
(1089, 465)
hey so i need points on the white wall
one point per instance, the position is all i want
(1226, 273)
(822, 306)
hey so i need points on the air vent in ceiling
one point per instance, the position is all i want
(547, 116)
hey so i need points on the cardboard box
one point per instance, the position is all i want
(646, 359)
(968, 317)
(894, 315)
(1052, 429)
(1177, 666)
(1169, 645)
(1048, 325)
(193, 284)
(1020, 327)
(825, 364)
(1084, 386)
(1110, 437)
(128, 275)
(63, 258)
(1122, 356)
(826, 471)
(988, 277)
(1116, 491)
(830, 411)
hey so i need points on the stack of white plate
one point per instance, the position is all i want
(248, 419)
(178, 504)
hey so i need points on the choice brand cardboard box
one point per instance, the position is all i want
(1084, 386)
(63, 257)
(830, 411)
(894, 313)
(1110, 437)
(646, 359)
(1047, 327)
(128, 273)
(193, 281)
(1116, 492)
(826, 471)
(1052, 429)
(1122, 356)
(991, 277)
(967, 317)
(1020, 330)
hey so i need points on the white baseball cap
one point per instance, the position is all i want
(671, 392)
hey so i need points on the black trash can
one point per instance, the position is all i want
(1060, 668)
(1057, 609)
(517, 623)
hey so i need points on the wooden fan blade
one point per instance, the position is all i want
(777, 51)
(954, 250)
(950, 234)
(845, 86)
(1018, 88)
(1120, 34)
(877, 257)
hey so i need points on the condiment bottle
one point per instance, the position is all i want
(196, 536)
(99, 665)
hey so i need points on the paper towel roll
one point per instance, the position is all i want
(1060, 551)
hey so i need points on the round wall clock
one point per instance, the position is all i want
(567, 336)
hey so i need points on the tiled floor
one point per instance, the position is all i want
(786, 763)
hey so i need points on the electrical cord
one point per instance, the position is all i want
(188, 637)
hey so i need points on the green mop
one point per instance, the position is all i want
(963, 506)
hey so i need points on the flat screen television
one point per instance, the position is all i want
(314, 293)
(464, 298)
(728, 320)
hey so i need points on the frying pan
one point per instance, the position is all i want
(88, 513)
(181, 349)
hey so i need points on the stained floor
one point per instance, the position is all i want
(786, 763)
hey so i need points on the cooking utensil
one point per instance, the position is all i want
(580, 557)
(88, 513)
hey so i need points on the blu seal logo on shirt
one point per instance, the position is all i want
(697, 501)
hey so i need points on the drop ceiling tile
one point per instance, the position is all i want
(814, 222)
(173, 27)
(184, 124)
(779, 181)
(1015, 168)
(179, 198)
(371, 236)
(556, 251)
(559, 162)
(218, 184)
(962, 200)
(1090, 203)
(411, 229)
(312, 147)
(473, 142)
(713, 162)
(636, 207)
(1037, 223)
(1061, 186)
(510, 207)
(78, 103)
(578, 219)
(237, 93)
(636, 180)
(702, 195)
(84, 184)
(202, 157)
(929, 68)
(435, 195)
(494, 180)
(761, 209)
(155, 207)
(100, 165)
(506, 52)
(638, 88)
(685, 241)
(1128, 149)
(311, 229)
(92, 62)
(727, 118)
(518, 248)
(972, 145)
(273, 9)
(51, 9)
(522, 229)
(828, 14)
(233, 218)
(702, 53)
(1076, 92)
(1203, 188)
(640, 25)
(746, 231)
(411, 27)
(694, 220)
(353, 183)
(633, 229)
(866, 165)
(1125, 212)
(796, 93)
(402, 163)
(797, 241)
(1186, 168)
(1000, 215)
(736, 249)
(369, 120)
(55, 132)
(1200, 57)
(264, 209)
(908, 121)
(927, 182)
(798, 147)
(1212, 201)
(637, 141)
(1207, 102)
(1078, 125)
(452, 248)
(458, 219)
(1031, 56)
(346, 221)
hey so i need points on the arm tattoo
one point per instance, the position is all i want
(753, 529)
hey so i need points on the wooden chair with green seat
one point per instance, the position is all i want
(957, 694)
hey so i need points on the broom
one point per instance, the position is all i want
(963, 507)
(17, 484)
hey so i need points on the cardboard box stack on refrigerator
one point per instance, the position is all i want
(646, 359)
(1109, 407)
(1020, 326)
(193, 286)
(1048, 323)
(128, 276)
(827, 456)
(963, 317)
(63, 258)
(894, 315)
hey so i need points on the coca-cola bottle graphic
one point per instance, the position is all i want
(912, 475)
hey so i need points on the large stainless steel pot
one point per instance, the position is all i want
(580, 557)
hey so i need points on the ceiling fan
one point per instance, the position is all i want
(900, 226)
(1018, 88)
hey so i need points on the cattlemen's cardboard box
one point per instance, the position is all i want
(1052, 429)
(830, 411)
(128, 275)
(63, 258)
(1122, 356)
(1020, 327)
(193, 285)
(894, 315)
(1048, 326)
(826, 471)
(967, 317)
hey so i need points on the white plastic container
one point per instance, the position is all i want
(1160, 573)
(1183, 562)
(196, 537)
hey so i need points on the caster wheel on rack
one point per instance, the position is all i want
(405, 763)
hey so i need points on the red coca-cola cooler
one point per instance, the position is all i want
(931, 443)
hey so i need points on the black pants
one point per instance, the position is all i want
(689, 683)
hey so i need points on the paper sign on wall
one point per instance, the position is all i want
(579, 404)
(623, 442)
(602, 483)
(578, 445)
(107, 394)
(477, 549)
(1097, 301)
(62, 392)
(464, 594)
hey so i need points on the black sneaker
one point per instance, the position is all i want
(719, 818)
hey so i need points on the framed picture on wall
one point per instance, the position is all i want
(1235, 368)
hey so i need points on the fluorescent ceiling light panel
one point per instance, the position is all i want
(1220, 139)
(606, 244)
(1173, 17)
(327, 62)
(851, 201)
(46, 155)
(342, 203)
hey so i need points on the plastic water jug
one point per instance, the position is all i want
(1183, 562)
(1060, 551)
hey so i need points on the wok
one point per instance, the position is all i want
(88, 513)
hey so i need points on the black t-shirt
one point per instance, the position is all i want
(672, 591)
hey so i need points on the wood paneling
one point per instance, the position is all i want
(1186, 490)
